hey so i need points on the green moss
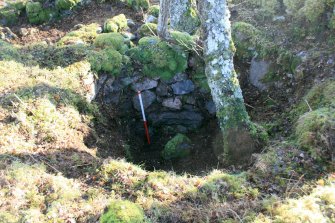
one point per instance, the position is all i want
(9, 52)
(36, 14)
(177, 147)
(110, 40)
(123, 212)
(313, 10)
(108, 60)
(66, 4)
(138, 4)
(259, 133)
(314, 132)
(85, 34)
(292, 6)
(9, 15)
(154, 10)
(148, 29)
(159, 58)
(321, 95)
(246, 38)
(116, 24)
(184, 40)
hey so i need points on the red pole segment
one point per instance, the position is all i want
(144, 119)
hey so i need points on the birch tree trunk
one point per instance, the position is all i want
(238, 143)
(164, 13)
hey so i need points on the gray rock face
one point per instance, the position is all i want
(210, 107)
(148, 98)
(183, 87)
(258, 70)
(129, 80)
(174, 103)
(145, 84)
(188, 119)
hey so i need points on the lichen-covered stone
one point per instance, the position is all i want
(116, 24)
(36, 14)
(154, 10)
(123, 212)
(148, 29)
(184, 16)
(177, 147)
(159, 58)
(66, 4)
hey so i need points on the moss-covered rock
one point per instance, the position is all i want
(108, 60)
(123, 212)
(9, 52)
(154, 10)
(85, 34)
(245, 37)
(315, 132)
(116, 24)
(177, 147)
(148, 29)
(111, 40)
(66, 4)
(36, 14)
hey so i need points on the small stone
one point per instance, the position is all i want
(210, 107)
(131, 23)
(128, 36)
(145, 84)
(128, 80)
(183, 87)
(148, 98)
(151, 19)
(180, 77)
(279, 18)
(174, 103)
(178, 147)
(23, 32)
(190, 100)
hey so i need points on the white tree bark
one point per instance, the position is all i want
(222, 79)
(163, 18)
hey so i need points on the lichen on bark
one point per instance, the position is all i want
(184, 16)
(238, 141)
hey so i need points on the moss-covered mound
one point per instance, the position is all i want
(154, 10)
(148, 29)
(108, 60)
(137, 4)
(315, 132)
(110, 40)
(123, 212)
(66, 4)
(158, 58)
(177, 147)
(116, 24)
(84, 34)
(36, 13)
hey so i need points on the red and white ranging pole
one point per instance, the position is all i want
(144, 119)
